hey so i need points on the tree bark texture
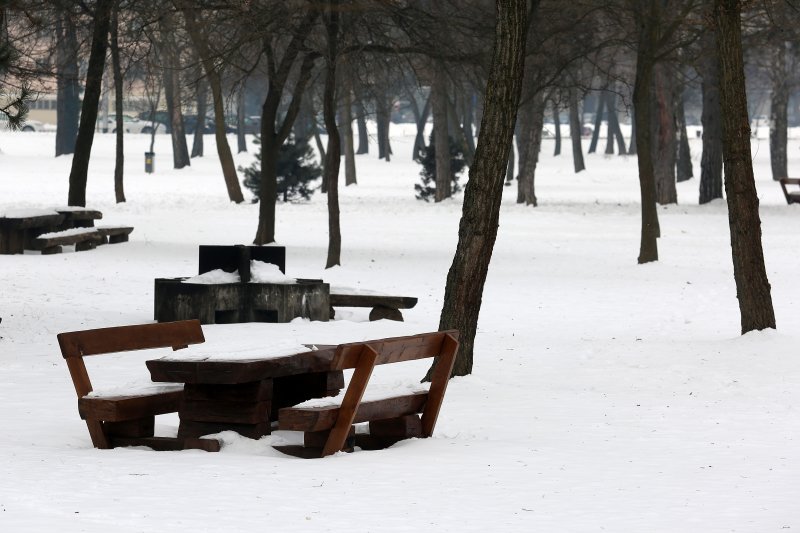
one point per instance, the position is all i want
(383, 114)
(645, 59)
(200, 127)
(91, 99)
(778, 117)
(598, 120)
(752, 285)
(441, 138)
(482, 196)
(557, 126)
(361, 122)
(332, 157)
(172, 94)
(711, 158)
(207, 59)
(346, 114)
(575, 130)
(664, 135)
(241, 142)
(68, 88)
(614, 131)
(119, 158)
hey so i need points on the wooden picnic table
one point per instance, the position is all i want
(244, 395)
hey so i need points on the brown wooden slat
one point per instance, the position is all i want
(118, 409)
(90, 236)
(439, 380)
(139, 427)
(232, 412)
(127, 338)
(191, 428)
(166, 444)
(372, 300)
(322, 418)
(108, 231)
(404, 427)
(255, 391)
(394, 350)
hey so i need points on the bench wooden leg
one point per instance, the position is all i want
(51, 250)
(85, 245)
(380, 312)
(113, 239)
(441, 376)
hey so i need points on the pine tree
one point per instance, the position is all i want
(297, 170)
(427, 157)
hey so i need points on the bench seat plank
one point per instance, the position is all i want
(372, 300)
(324, 418)
(119, 408)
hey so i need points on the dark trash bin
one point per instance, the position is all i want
(149, 162)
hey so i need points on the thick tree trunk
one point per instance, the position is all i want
(119, 161)
(598, 121)
(664, 147)
(557, 126)
(68, 88)
(200, 127)
(332, 159)
(575, 130)
(648, 245)
(172, 94)
(684, 168)
(778, 118)
(441, 139)
(752, 285)
(91, 98)
(711, 158)
(482, 196)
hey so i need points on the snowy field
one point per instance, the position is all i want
(606, 396)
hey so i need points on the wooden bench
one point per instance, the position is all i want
(114, 234)
(82, 238)
(329, 429)
(792, 197)
(127, 418)
(387, 307)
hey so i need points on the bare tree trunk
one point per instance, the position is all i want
(119, 162)
(215, 83)
(711, 159)
(598, 121)
(68, 102)
(91, 98)
(332, 159)
(645, 58)
(466, 126)
(663, 125)
(752, 285)
(441, 139)
(482, 196)
(526, 178)
(361, 121)
(421, 120)
(346, 114)
(778, 118)
(632, 149)
(241, 142)
(684, 168)
(557, 126)
(575, 130)
(200, 127)
(172, 94)
(512, 163)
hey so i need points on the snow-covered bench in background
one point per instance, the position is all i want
(126, 416)
(328, 429)
(383, 305)
(82, 238)
(792, 197)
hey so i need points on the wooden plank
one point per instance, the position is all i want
(403, 427)
(140, 427)
(228, 412)
(61, 240)
(322, 418)
(108, 231)
(351, 401)
(439, 380)
(37, 221)
(372, 300)
(126, 338)
(190, 428)
(317, 439)
(118, 409)
(255, 391)
(165, 444)
(394, 350)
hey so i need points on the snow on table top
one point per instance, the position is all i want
(357, 292)
(26, 213)
(261, 272)
(237, 349)
(73, 209)
(67, 232)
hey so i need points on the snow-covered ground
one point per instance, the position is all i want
(606, 396)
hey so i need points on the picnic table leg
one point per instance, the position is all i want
(380, 312)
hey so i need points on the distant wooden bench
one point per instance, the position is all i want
(792, 197)
(329, 429)
(82, 238)
(127, 418)
(387, 307)
(114, 234)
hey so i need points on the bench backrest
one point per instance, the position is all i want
(394, 350)
(77, 344)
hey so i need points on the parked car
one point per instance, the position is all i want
(130, 125)
(34, 125)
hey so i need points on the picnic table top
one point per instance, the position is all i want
(231, 367)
